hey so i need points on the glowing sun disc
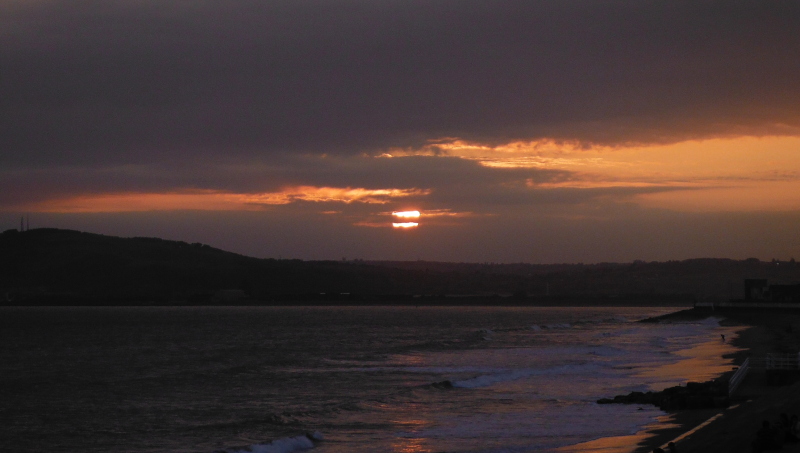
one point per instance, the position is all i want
(406, 214)
(405, 225)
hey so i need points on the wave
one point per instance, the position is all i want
(283, 420)
(485, 334)
(608, 351)
(587, 322)
(711, 322)
(284, 445)
(487, 380)
(560, 326)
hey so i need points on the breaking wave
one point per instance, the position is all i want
(487, 380)
(284, 445)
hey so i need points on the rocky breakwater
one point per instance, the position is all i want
(695, 395)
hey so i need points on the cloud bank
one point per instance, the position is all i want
(496, 112)
(126, 81)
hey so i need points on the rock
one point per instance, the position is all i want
(442, 385)
(695, 395)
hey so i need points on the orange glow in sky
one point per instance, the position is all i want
(209, 200)
(722, 174)
(327, 194)
(717, 174)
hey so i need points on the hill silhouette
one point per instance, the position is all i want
(64, 267)
(53, 265)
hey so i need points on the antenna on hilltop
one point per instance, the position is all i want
(21, 225)
(27, 222)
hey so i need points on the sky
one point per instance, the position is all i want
(521, 131)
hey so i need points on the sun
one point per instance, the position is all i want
(406, 215)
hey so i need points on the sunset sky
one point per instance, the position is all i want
(521, 131)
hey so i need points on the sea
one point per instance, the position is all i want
(338, 379)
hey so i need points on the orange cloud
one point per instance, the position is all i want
(721, 174)
(696, 158)
(545, 153)
(446, 213)
(743, 196)
(217, 201)
(133, 202)
(332, 194)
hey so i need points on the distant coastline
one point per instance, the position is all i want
(64, 267)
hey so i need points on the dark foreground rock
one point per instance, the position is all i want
(695, 395)
(442, 385)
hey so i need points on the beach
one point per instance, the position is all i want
(428, 379)
(734, 429)
(519, 379)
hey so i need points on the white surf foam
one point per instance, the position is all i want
(501, 376)
(284, 445)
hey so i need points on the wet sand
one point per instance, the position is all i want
(730, 430)
(734, 429)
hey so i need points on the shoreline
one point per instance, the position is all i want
(723, 430)
(733, 429)
(693, 367)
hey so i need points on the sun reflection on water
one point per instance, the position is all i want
(410, 445)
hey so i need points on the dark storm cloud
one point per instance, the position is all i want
(448, 182)
(128, 82)
(446, 177)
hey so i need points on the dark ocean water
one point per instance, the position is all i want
(258, 378)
